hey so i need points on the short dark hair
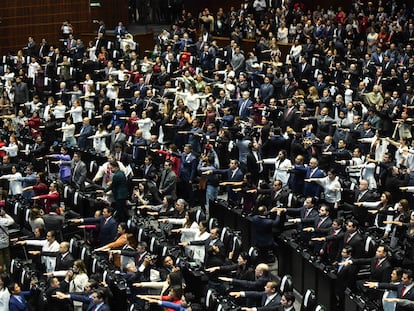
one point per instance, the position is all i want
(289, 297)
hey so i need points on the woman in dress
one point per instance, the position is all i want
(99, 140)
(145, 124)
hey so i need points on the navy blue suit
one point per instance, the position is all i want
(244, 109)
(85, 132)
(107, 231)
(233, 197)
(19, 305)
(188, 173)
(312, 189)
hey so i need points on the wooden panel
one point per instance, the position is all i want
(43, 19)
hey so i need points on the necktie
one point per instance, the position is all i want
(74, 171)
(403, 291)
(319, 222)
(341, 266)
(348, 238)
(307, 212)
(107, 174)
(377, 264)
(287, 112)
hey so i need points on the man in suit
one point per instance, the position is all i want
(86, 130)
(380, 269)
(276, 196)
(306, 212)
(317, 226)
(362, 195)
(263, 233)
(120, 155)
(266, 90)
(99, 43)
(254, 165)
(168, 181)
(313, 189)
(286, 303)
(262, 276)
(214, 249)
(18, 297)
(231, 175)
(333, 241)
(244, 106)
(119, 188)
(141, 257)
(148, 168)
(64, 260)
(94, 302)
(287, 90)
(345, 275)
(269, 298)
(54, 303)
(405, 289)
(79, 171)
(188, 173)
(138, 148)
(53, 221)
(116, 137)
(108, 227)
(353, 238)
(288, 117)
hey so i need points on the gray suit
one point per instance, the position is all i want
(168, 182)
(121, 138)
(79, 172)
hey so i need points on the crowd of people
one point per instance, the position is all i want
(320, 138)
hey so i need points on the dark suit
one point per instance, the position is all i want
(235, 176)
(244, 109)
(64, 263)
(139, 150)
(274, 302)
(263, 235)
(53, 221)
(288, 118)
(379, 273)
(107, 229)
(119, 187)
(253, 167)
(345, 277)
(357, 243)
(408, 294)
(188, 173)
(79, 172)
(83, 141)
(256, 285)
(312, 189)
(361, 212)
(286, 91)
(273, 198)
(212, 259)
